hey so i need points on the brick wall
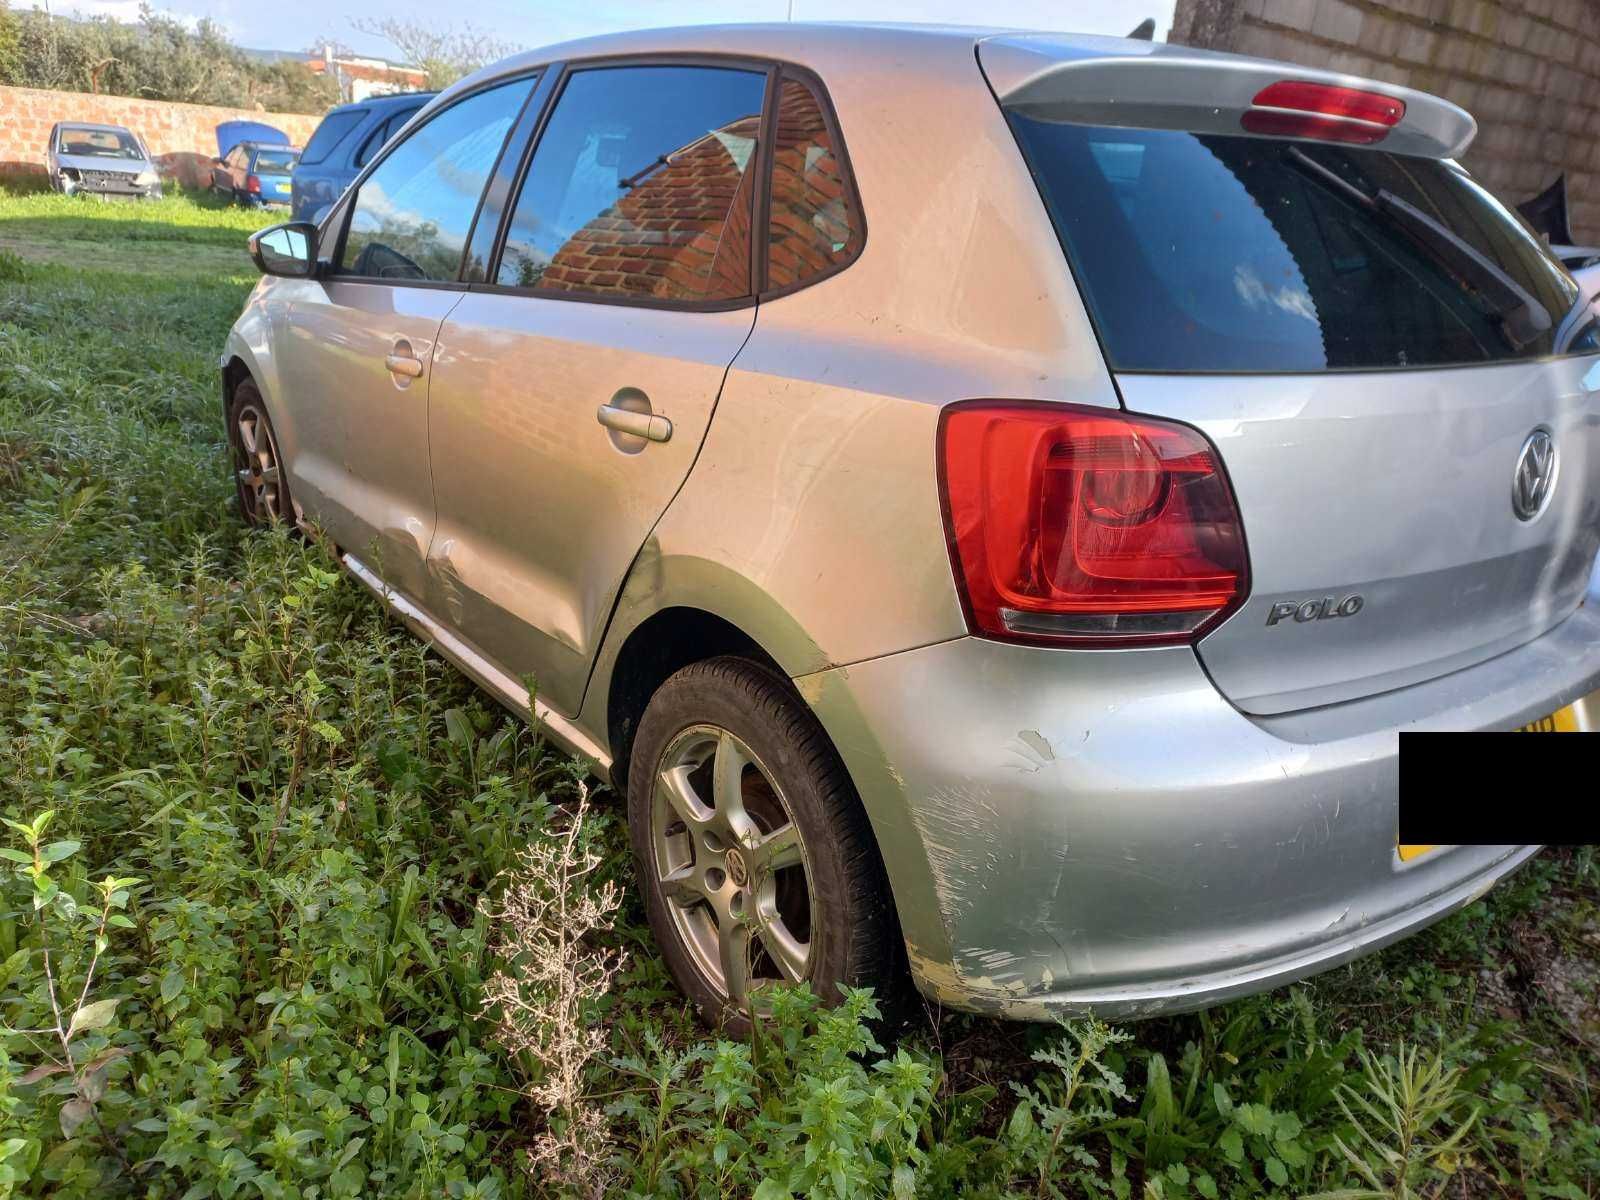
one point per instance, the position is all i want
(181, 136)
(1528, 70)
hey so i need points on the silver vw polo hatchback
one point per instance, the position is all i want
(989, 502)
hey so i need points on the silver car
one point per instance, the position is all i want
(988, 502)
(103, 160)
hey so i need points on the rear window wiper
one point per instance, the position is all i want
(1522, 317)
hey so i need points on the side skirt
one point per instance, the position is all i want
(508, 691)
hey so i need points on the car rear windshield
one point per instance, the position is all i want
(1238, 254)
(275, 162)
(334, 126)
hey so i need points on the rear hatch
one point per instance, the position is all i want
(1396, 374)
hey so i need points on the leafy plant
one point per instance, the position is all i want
(1409, 1115)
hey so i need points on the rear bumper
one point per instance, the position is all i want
(1069, 831)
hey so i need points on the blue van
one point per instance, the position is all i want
(344, 143)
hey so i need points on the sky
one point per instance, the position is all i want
(297, 24)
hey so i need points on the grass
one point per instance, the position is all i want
(273, 817)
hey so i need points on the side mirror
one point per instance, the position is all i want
(289, 250)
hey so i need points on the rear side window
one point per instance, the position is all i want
(275, 162)
(1239, 254)
(410, 219)
(641, 187)
(386, 129)
(814, 227)
(328, 134)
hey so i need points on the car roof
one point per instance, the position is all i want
(386, 101)
(771, 39)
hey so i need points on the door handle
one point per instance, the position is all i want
(403, 364)
(651, 426)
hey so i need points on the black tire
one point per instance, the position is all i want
(261, 484)
(853, 937)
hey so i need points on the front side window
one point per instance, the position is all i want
(330, 133)
(1203, 252)
(641, 187)
(410, 218)
(814, 226)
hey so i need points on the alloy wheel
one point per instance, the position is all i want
(258, 465)
(731, 864)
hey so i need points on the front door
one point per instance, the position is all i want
(570, 396)
(362, 339)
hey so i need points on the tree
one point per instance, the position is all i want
(158, 59)
(10, 43)
(445, 52)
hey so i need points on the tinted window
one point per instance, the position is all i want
(410, 218)
(641, 186)
(385, 130)
(814, 226)
(1211, 253)
(334, 126)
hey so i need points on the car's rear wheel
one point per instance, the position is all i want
(756, 861)
(257, 464)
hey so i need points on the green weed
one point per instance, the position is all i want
(249, 951)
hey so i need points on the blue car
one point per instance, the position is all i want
(251, 173)
(344, 143)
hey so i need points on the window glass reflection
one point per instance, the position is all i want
(411, 217)
(641, 186)
(814, 226)
(1220, 253)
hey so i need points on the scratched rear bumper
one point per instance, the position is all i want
(1069, 831)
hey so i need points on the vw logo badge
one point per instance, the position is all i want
(1535, 476)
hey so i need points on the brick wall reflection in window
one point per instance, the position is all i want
(814, 226)
(681, 233)
(641, 187)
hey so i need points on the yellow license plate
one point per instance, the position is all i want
(1574, 718)
(1565, 721)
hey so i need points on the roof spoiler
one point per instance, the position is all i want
(1142, 85)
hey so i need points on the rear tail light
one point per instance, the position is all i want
(1087, 527)
(1296, 108)
(252, 184)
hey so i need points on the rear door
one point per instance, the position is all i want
(575, 385)
(1396, 373)
(359, 343)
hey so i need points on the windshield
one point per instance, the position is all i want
(1213, 253)
(275, 162)
(99, 143)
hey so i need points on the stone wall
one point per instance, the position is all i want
(182, 137)
(1528, 70)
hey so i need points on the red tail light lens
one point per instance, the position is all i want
(1296, 108)
(1078, 526)
(252, 183)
